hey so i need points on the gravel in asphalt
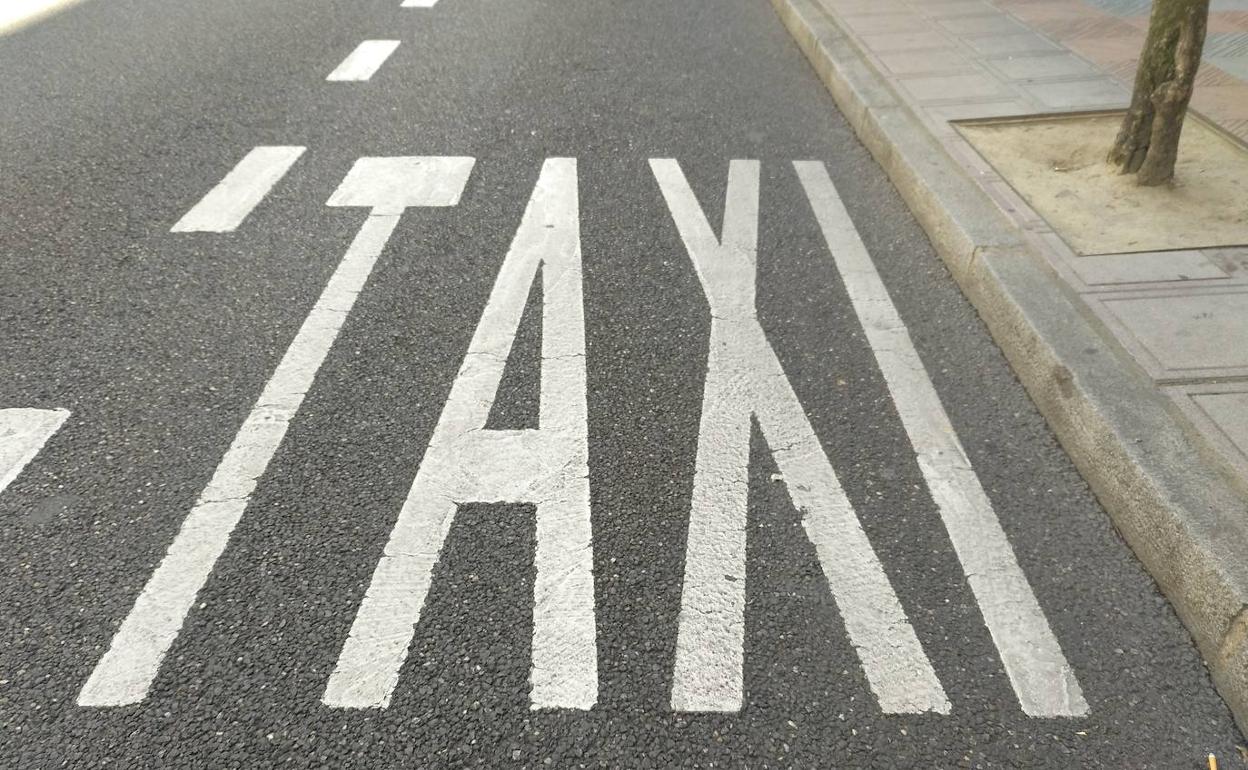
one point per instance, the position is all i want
(119, 116)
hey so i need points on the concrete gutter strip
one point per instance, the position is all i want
(1185, 518)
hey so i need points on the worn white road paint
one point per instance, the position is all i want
(466, 463)
(133, 659)
(15, 14)
(226, 206)
(745, 379)
(1044, 682)
(23, 432)
(419, 3)
(362, 63)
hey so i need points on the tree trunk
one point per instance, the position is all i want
(1148, 142)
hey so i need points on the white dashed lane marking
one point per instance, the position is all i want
(23, 432)
(15, 14)
(362, 63)
(225, 206)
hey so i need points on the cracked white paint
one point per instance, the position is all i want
(1044, 682)
(745, 379)
(465, 463)
(127, 670)
(23, 432)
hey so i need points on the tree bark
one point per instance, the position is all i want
(1148, 141)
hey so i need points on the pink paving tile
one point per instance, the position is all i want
(1094, 27)
(1107, 49)
(1071, 8)
(1123, 70)
(1237, 128)
(987, 24)
(1211, 75)
(1228, 22)
(1230, 102)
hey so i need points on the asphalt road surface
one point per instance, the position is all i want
(554, 385)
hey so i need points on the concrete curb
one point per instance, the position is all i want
(1185, 518)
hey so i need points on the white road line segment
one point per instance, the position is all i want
(23, 432)
(126, 671)
(362, 63)
(418, 3)
(744, 380)
(1044, 682)
(225, 206)
(467, 463)
(16, 14)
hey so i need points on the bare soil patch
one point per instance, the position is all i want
(1057, 164)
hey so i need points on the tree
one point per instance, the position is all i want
(1148, 142)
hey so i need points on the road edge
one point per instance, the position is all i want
(1173, 508)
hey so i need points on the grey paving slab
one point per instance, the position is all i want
(1219, 412)
(851, 8)
(994, 24)
(1146, 267)
(978, 110)
(1078, 94)
(1185, 335)
(906, 41)
(1233, 259)
(1229, 411)
(882, 23)
(955, 88)
(927, 61)
(1027, 42)
(1042, 66)
(953, 8)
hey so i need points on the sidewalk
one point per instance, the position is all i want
(1138, 360)
(964, 59)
